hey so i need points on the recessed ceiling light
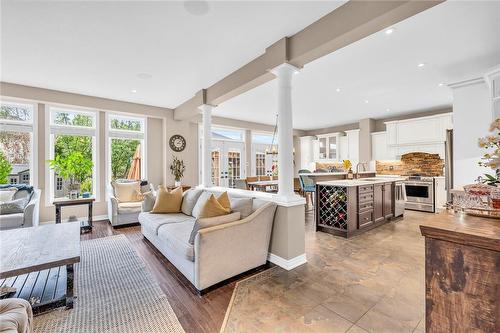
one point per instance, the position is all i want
(337, 90)
(366, 101)
(387, 109)
(389, 31)
(422, 64)
(144, 76)
(133, 91)
(440, 84)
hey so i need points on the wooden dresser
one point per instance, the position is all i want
(462, 273)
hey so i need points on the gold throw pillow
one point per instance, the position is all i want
(167, 202)
(224, 201)
(213, 207)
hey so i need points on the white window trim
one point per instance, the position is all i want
(53, 129)
(110, 133)
(25, 127)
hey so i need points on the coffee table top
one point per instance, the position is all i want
(32, 249)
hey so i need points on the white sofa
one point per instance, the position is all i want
(218, 252)
(28, 218)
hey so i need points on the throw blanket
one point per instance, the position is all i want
(19, 187)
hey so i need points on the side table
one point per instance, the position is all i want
(63, 202)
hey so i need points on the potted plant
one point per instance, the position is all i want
(177, 169)
(75, 168)
(491, 159)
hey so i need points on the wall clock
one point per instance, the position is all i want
(177, 143)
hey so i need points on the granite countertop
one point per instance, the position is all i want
(360, 182)
(463, 229)
(333, 173)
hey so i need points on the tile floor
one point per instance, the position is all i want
(370, 283)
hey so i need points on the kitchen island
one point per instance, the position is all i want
(350, 207)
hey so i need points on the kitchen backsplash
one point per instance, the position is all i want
(424, 164)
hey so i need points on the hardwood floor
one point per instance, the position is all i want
(196, 313)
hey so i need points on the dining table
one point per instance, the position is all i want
(263, 185)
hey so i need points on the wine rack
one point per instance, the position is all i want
(332, 207)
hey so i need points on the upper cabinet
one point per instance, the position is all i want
(425, 134)
(352, 146)
(337, 147)
(493, 79)
(327, 147)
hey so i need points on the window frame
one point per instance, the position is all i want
(57, 129)
(113, 133)
(30, 127)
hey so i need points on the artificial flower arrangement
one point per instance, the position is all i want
(491, 159)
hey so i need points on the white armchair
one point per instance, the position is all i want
(123, 212)
(28, 218)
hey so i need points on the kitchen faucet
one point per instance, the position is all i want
(357, 167)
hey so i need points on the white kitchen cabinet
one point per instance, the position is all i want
(439, 193)
(327, 147)
(343, 148)
(353, 146)
(379, 146)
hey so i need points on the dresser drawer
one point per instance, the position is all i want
(365, 189)
(365, 197)
(365, 219)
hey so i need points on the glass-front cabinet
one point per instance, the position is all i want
(327, 147)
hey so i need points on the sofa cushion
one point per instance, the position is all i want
(154, 221)
(203, 223)
(11, 221)
(129, 207)
(148, 202)
(242, 205)
(127, 191)
(168, 202)
(13, 206)
(176, 237)
(189, 199)
(7, 194)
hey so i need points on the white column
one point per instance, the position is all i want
(284, 74)
(206, 153)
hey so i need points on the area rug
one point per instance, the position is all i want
(115, 293)
(240, 293)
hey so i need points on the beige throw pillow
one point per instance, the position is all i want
(127, 192)
(216, 207)
(203, 223)
(168, 202)
(7, 194)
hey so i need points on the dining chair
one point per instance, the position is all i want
(308, 188)
(241, 184)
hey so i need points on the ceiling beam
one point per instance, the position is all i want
(345, 25)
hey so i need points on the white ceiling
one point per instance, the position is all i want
(166, 51)
(457, 40)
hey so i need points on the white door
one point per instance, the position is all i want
(228, 160)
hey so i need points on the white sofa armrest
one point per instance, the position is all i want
(229, 249)
(112, 209)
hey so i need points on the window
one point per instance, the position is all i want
(260, 164)
(227, 134)
(73, 140)
(126, 147)
(216, 168)
(16, 142)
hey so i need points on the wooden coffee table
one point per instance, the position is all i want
(27, 250)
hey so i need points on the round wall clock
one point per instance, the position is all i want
(177, 143)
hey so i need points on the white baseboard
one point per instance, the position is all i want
(287, 264)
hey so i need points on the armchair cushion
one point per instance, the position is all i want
(13, 206)
(11, 221)
(127, 191)
(7, 194)
(129, 207)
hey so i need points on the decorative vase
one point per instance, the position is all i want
(177, 183)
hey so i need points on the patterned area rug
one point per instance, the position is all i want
(116, 293)
(240, 294)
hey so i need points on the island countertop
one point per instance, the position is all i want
(463, 229)
(339, 173)
(360, 182)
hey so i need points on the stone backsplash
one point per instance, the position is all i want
(424, 164)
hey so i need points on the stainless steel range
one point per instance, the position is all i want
(420, 193)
